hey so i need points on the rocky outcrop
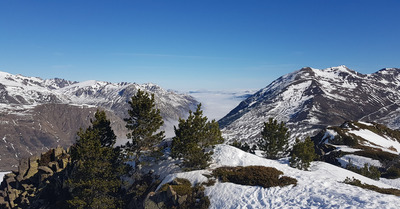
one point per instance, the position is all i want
(36, 178)
(177, 194)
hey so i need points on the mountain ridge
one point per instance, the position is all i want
(38, 114)
(309, 99)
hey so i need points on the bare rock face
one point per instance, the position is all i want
(310, 99)
(37, 130)
(25, 188)
(37, 114)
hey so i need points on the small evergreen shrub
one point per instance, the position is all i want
(245, 147)
(355, 182)
(367, 171)
(303, 154)
(392, 173)
(253, 176)
(383, 157)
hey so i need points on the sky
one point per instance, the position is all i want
(198, 44)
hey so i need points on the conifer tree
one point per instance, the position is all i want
(143, 122)
(303, 154)
(103, 126)
(275, 139)
(194, 139)
(95, 177)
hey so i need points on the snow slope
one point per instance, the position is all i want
(320, 187)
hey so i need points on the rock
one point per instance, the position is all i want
(182, 199)
(171, 195)
(63, 162)
(54, 166)
(45, 170)
(33, 167)
(175, 182)
(57, 152)
(23, 167)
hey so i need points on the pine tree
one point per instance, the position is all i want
(275, 139)
(143, 121)
(95, 177)
(103, 125)
(303, 154)
(194, 139)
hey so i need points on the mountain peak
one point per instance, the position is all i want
(309, 99)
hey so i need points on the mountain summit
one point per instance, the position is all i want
(310, 99)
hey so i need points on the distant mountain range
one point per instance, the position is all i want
(38, 114)
(310, 99)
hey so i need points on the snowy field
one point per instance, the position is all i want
(320, 187)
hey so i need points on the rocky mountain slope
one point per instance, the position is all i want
(310, 99)
(360, 143)
(38, 114)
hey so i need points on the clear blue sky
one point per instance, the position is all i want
(195, 44)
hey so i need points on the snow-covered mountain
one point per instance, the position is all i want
(38, 114)
(310, 99)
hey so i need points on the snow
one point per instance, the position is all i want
(2, 174)
(358, 161)
(365, 123)
(377, 140)
(345, 148)
(392, 182)
(321, 187)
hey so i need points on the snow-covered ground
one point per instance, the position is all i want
(217, 104)
(385, 143)
(321, 187)
(2, 174)
(358, 161)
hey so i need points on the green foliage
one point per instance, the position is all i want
(367, 171)
(253, 176)
(194, 139)
(103, 126)
(143, 122)
(94, 180)
(356, 182)
(377, 154)
(275, 139)
(392, 173)
(303, 154)
(245, 147)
